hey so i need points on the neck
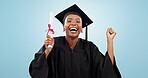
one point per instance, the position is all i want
(72, 41)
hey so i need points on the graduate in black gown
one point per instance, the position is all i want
(73, 57)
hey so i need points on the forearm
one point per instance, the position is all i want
(47, 51)
(110, 50)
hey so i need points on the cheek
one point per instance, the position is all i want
(80, 29)
(66, 24)
(80, 26)
(66, 27)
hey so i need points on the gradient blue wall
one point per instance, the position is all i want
(23, 24)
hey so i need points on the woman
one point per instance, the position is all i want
(71, 56)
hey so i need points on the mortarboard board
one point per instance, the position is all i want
(74, 9)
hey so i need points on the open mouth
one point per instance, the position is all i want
(73, 29)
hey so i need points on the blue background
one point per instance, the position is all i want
(23, 24)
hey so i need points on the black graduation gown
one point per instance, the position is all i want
(84, 61)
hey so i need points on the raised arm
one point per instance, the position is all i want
(110, 33)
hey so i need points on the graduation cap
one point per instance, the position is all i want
(74, 9)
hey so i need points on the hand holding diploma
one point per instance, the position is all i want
(49, 42)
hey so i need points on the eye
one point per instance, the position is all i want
(68, 21)
(78, 21)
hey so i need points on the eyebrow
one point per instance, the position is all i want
(72, 18)
(69, 18)
(77, 18)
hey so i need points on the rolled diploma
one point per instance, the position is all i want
(51, 23)
(51, 19)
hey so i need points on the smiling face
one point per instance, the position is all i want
(73, 25)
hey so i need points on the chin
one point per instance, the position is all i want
(73, 36)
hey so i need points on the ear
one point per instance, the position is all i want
(82, 31)
(63, 29)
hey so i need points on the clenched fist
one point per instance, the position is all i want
(110, 33)
(49, 41)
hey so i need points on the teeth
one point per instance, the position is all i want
(73, 29)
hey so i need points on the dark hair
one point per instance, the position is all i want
(75, 13)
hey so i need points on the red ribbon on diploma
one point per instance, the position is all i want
(49, 29)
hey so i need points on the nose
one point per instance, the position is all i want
(73, 24)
